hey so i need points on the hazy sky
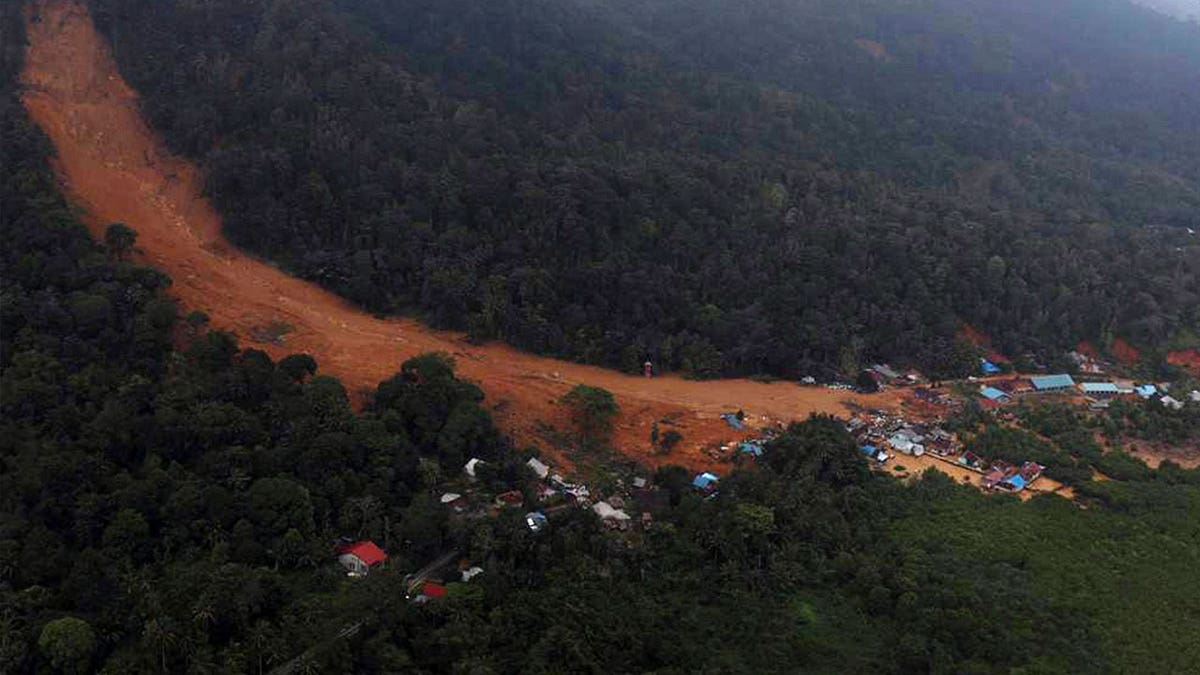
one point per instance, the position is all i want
(1182, 8)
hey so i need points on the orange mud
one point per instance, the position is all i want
(115, 169)
(983, 341)
(1087, 349)
(1154, 454)
(1186, 358)
(1125, 353)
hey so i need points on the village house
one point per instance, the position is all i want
(471, 467)
(1052, 383)
(455, 501)
(540, 469)
(612, 517)
(706, 481)
(1099, 389)
(995, 395)
(971, 461)
(1171, 403)
(359, 557)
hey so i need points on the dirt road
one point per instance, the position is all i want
(114, 167)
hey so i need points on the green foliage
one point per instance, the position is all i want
(174, 511)
(720, 187)
(68, 644)
(119, 239)
(593, 410)
(669, 440)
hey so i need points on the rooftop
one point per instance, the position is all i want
(365, 551)
(1044, 382)
(992, 393)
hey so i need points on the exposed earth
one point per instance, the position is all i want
(115, 169)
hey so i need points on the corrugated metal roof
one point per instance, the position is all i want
(1100, 388)
(992, 393)
(1042, 382)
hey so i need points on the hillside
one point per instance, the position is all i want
(174, 501)
(789, 188)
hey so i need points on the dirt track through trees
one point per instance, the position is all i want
(115, 169)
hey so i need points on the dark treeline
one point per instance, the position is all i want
(720, 187)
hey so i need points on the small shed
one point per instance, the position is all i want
(538, 467)
(706, 480)
(472, 466)
(535, 521)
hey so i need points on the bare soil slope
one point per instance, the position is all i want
(116, 169)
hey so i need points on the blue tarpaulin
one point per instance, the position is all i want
(705, 480)
(732, 420)
(988, 367)
(751, 448)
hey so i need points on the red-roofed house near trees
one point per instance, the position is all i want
(358, 558)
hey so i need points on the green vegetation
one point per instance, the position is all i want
(718, 186)
(593, 410)
(174, 510)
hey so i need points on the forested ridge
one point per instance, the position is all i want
(720, 187)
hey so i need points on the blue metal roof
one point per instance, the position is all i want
(1043, 382)
(1017, 482)
(703, 480)
(1099, 388)
(992, 393)
(868, 450)
(1146, 390)
(988, 367)
(751, 448)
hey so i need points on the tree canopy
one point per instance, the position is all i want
(721, 187)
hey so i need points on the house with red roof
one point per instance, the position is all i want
(359, 557)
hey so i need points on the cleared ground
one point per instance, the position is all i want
(115, 169)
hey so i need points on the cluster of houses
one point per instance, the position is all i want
(1097, 393)
(1010, 478)
(881, 437)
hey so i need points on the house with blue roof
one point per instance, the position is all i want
(1042, 383)
(994, 394)
(1013, 483)
(705, 481)
(751, 448)
(988, 368)
(1146, 390)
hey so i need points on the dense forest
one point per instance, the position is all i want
(721, 187)
(169, 502)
